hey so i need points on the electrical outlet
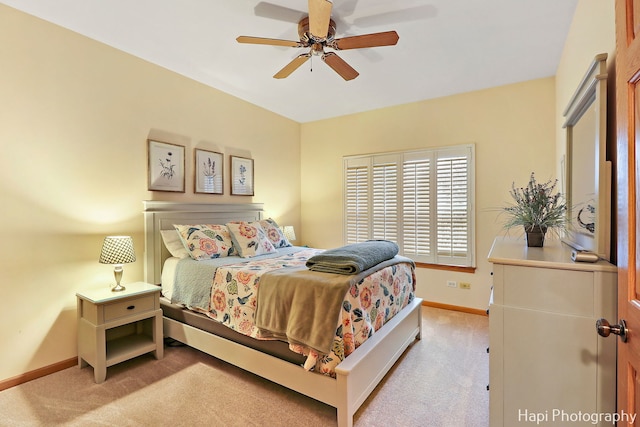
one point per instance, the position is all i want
(465, 285)
(452, 284)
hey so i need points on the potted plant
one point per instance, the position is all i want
(538, 208)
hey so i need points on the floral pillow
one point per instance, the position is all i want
(274, 234)
(250, 239)
(206, 241)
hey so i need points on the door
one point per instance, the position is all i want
(628, 140)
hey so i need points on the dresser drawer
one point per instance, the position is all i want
(546, 289)
(129, 307)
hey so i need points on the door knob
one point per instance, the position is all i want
(605, 329)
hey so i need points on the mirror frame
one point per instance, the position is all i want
(592, 91)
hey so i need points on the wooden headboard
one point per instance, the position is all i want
(162, 215)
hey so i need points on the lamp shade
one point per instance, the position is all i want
(289, 232)
(117, 250)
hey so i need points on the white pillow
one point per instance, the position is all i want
(173, 243)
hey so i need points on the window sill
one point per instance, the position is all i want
(457, 268)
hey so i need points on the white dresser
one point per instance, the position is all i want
(546, 359)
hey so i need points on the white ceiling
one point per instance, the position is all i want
(445, 47)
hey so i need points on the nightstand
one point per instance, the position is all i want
(117, 326)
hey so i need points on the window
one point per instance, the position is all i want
(422, 200)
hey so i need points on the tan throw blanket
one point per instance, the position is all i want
(303, 307)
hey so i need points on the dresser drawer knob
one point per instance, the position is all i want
(131, 307)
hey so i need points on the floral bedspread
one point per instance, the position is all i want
(366, 307)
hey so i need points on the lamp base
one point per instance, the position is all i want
(117, 273)
(118, 288)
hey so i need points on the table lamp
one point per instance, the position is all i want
(117, 250)
(289, 232)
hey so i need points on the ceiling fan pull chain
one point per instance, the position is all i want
(311, 64)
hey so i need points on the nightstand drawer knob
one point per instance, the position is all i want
(131, 307)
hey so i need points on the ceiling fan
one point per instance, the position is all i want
(317, 32)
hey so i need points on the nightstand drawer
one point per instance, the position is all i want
(129, 307)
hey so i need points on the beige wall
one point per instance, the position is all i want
(75, 116)
(513, 128)
(592, 32)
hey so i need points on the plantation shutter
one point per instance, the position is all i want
(357, 200)
(453, 201)
(385, 198)
(416, 206)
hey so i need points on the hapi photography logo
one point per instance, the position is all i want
(562, 416)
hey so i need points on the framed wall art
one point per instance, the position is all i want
(166, 166)
(208, 172)
(241, 176)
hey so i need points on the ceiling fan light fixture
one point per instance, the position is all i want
(317, 49)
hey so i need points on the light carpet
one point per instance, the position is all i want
(440, 381)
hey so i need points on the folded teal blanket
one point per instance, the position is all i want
(354, 258)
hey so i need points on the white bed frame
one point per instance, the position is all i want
(356, 376)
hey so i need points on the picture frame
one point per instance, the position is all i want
(166, 164)
(241, 176)
(209, 172)
(588, 172)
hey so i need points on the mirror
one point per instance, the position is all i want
(588, 173)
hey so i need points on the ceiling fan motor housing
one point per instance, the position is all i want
(308, 38)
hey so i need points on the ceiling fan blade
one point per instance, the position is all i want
(319, 17)
(292, 66)
(340, 66)
(388, 38)
(271, 42)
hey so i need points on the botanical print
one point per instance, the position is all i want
(166, 166)
(241, 176)
(208, 175)
(209, 167)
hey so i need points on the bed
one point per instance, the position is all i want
(350, 382)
